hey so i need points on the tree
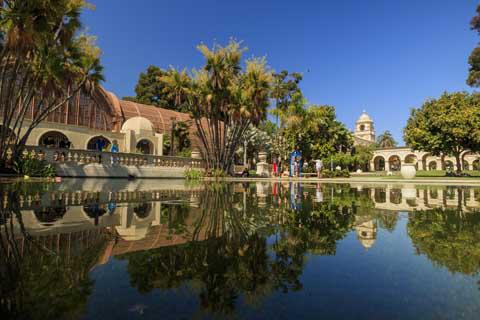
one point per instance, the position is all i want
(446, 126)
(285, 91)
(150, 90)
(362, 156)
(447, 238)
(386, 140)
(474, 59)
(318, 133)
(44, 63)
(258, 139)
(223, 99)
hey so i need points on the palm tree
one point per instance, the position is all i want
(223, 99)
(43, 64)
(386, 140)
(177, 86)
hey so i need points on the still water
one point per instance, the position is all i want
(100, 249)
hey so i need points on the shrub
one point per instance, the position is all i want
(29, 166)
(218, 174)
(193, 174)
(326, 173)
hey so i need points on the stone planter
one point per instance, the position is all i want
(262, 156)
(196, 154)
(408, 171)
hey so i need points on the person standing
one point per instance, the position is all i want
(318, 167)
(114, 149)
(274, 167)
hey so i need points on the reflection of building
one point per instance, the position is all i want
(366, 231)
(392, 159)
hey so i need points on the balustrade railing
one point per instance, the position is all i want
(80, 157)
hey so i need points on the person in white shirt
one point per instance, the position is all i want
(318, 168)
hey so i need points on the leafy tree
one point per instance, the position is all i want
(474, 59)
(182, 141)
(257, 140)
(318, 133)
(223, 99)
(285, 91)
(44, 63)
(386, 140)
(448, 125)
(150, 90)
(362, 156)
(448, 238)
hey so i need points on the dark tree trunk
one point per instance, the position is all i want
(459, 163)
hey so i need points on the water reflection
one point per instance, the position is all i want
(230, 245)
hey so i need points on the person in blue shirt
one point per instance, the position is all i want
(296, 155)
(114, 147)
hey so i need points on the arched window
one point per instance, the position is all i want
(379, 163)
(362, 127)
(99, 143)
(55, 139)
(94, 211)
(47, 216)
(394, 163)
(449, 165)
(143, 210)
(476, 165)
(145, 146)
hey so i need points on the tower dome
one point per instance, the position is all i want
(364, 129)
(364, 117)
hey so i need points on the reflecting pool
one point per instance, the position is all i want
(112, 249)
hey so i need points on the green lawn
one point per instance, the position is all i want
(436, 174)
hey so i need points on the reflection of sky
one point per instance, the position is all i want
(387, 281)
(378, 283)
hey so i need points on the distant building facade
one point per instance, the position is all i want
(392, 159)
(92, 122)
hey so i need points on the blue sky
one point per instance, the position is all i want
(383, 56)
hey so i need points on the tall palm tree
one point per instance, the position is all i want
(177, 86)
(223, 99)
(43, 64)
(386, 140)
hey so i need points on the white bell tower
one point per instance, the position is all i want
(364, 128)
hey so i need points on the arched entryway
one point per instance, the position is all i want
(394, 163)
(142, 210)
(476, 165)
(379, 163)
(449, 166)
(145, 146)
(396, 196)
(99, 143)
(412, 159)
(48, 216)
(380, 195)
(55, 139)
(432, 165)
(94, 211)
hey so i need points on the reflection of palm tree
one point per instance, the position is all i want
(31, 271)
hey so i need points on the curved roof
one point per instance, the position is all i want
(137, 124)
(364, 117)
(160, 118)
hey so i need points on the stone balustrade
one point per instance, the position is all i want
(81, 157)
